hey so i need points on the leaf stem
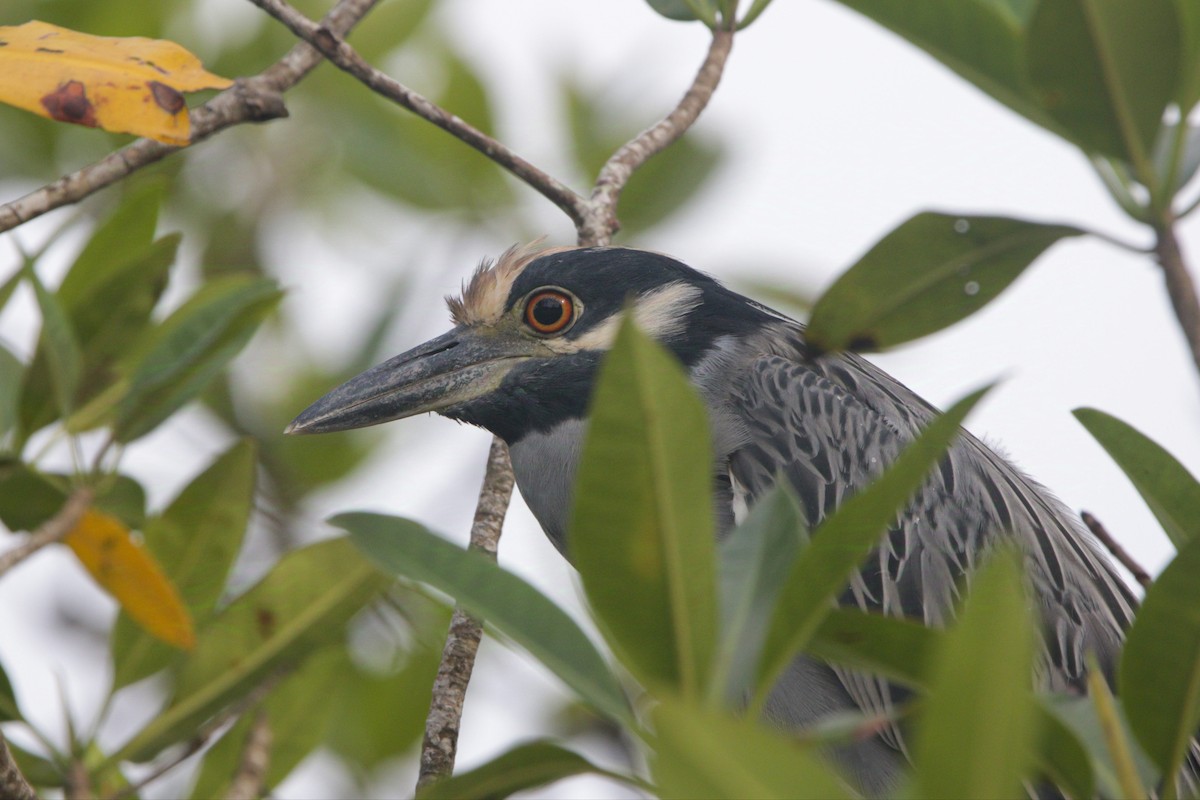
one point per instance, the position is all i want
(1114, 734)
(1181, 288)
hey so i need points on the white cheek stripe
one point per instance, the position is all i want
(661, 314)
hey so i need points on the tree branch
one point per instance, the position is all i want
(462, 642)
(255, 99)
(251, 774)
(50, 531)
(13, 785)
(1119, 553)
(339, 53)
(1180, 286)
(600, 222)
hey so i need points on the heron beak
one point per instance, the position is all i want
(453, 368)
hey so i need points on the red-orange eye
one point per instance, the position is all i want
(549, 311)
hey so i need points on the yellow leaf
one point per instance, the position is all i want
(130, 574)
(127, 85)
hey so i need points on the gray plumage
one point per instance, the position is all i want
(829, 425)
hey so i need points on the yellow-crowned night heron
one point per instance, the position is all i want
(530, 332)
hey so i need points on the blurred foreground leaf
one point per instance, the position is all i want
(1160, 666)
(647, 559)
(519, 611)
(979, 731)
(755, 559)
(701, 754)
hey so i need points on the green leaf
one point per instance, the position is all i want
(195, 541)
(1170, 491)
(755, 561)
(1106, 70)
(844, 539)
(297, 712)
(897, 649)
(1062, 756)
(978, 39)
(107, 295)
(1188, 92)
(1078, 715)
(301, 605)
(11, 375)
(178, 358)
(641, 531)
(9, 286)
(59, 343)
(9, 710)
(701, 754)
(902, 650)
(680, 10)
(1160, 666)
(979, 730)
(1175, 170)
(519, 611)
(932, 271)
(129, 229)
(525, 766)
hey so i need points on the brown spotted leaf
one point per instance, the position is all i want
(130, 574)
(127, 85)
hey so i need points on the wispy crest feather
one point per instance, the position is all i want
(484, 297)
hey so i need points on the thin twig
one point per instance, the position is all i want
(254, 99)
(1119, 553)
(205, 733)
(1180, 286)
(50, 531)
(251, 776)
(601, 222)
(13, 785)
(342, 55)
(462, 642)
(79, 782)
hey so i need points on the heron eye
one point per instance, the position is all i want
(549, 311)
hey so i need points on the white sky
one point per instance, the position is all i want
(836, 131)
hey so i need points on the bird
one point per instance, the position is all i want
(531, 329)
